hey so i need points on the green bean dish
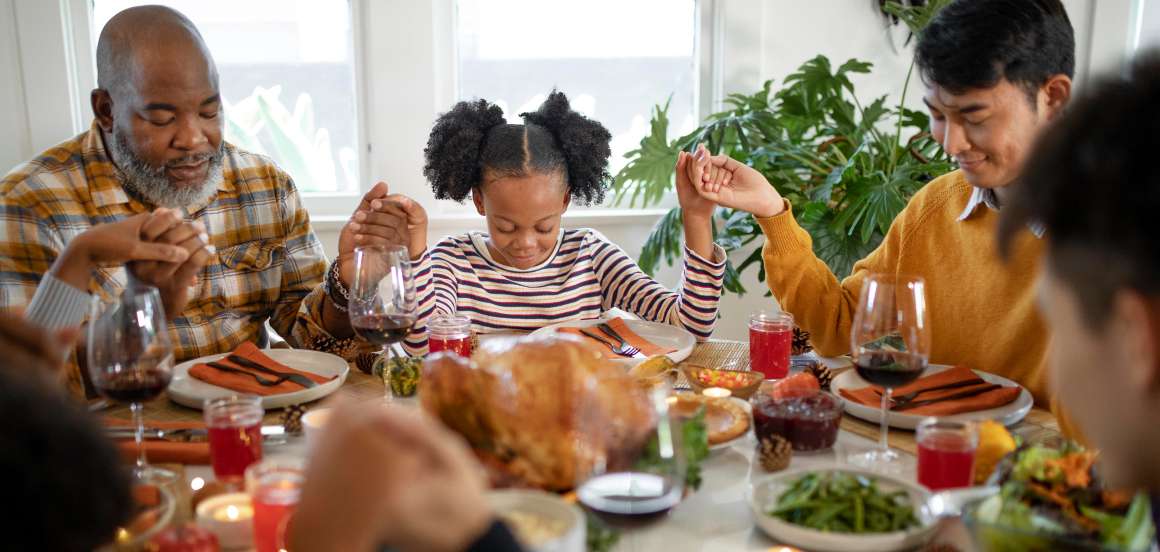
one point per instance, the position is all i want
(844, 503)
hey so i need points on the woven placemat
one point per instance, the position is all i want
(719, 354)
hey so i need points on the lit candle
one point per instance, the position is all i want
(717, 392)
(230, 517)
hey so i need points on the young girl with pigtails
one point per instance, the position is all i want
(526, 271)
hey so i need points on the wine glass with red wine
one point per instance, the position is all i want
(382, 299)
(890, 344)
(634, 484)
(130, 355)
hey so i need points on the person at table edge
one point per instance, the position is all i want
(1092, 185)
(996, 73)
(156, 142)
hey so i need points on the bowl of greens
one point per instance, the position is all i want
(842, 508)
(1051, 498)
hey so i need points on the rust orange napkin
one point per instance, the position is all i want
(869, 396)
(246, 384)
(159, 451)
(648, 348)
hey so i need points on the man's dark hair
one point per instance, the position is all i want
(1093, 185)
(473, 138)
(64, 485)
(973, 44)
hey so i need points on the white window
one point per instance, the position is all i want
(1148, 30)
(287, 80)
(614, 59)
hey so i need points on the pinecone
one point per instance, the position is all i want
(365, 362)
(292, 418)
(801, 342)
(474, 342)
(775, 453)
(822, 373)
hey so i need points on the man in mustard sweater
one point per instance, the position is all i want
(996, 73)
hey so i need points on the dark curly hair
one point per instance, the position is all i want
(1092, 184)
(975, 43)
(68, 490)
(472, 140)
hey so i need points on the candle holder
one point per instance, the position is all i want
(230, 516)
(717, 392)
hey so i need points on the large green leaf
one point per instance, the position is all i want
(649, 171)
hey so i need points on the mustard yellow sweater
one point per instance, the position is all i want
(982, 310)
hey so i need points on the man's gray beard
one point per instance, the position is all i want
(152, 186)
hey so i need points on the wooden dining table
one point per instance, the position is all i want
(714, 518)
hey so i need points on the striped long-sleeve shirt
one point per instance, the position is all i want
(584, 276)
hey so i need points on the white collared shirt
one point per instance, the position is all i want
(987, 196)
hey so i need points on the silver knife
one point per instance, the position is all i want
(184, 435)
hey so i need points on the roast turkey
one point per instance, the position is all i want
(541, 411)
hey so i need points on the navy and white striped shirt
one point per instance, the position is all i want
(584, 276)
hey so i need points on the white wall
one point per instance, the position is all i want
(14, 140)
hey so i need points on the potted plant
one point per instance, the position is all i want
(847, 166)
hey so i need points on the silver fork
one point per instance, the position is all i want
(624, 348)
(607, 343)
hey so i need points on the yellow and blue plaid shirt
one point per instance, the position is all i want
(269, 265)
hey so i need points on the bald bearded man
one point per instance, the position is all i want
(156, 142)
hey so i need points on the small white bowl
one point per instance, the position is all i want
(313, 424)
(548, 506)
(766, 492)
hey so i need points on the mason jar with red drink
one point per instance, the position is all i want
(770, 343)
(450, 333)
(234, 425)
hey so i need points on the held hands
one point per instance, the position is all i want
(382, 218)
(729, 183)
(173, 278)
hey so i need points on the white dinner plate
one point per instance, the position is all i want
(192, 392)
(766, 491)
(1009, 414)
(664, 335)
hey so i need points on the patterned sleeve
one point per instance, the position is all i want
(624, 285)
(435, 289)
(301, 300)
(28, 247)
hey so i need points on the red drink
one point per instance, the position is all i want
(450, 333)
(770, 344)
(275, 487)
(233, 449)
(460, 345)
(235, 434)
(946, 454)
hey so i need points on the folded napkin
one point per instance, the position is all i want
(246, 384)
(158, 451)
(648, 348)
(869, 396)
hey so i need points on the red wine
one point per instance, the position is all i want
(889, 368)
(382, 329)
(627, 499)
(134, 385)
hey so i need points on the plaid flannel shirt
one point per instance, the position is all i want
(269, 265)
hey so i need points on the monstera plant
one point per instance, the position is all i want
(848, 166)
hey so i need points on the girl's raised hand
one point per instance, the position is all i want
(692, 203)
(742, 188)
